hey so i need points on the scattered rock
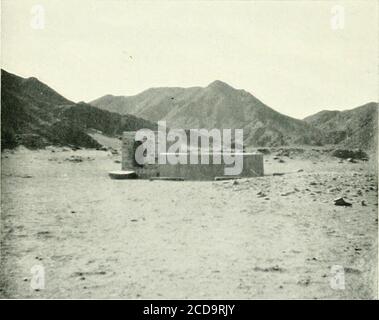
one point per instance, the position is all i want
(332, 190)
(342, 202)
(74, 159)
(78, 159)
(44, 234)
(352, 270)
(81, 274)
(350, 154)
(304, 282)
(264, 150)
(261, 194)
(275, 268)
(287, 193)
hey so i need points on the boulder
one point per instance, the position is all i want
(342, 202)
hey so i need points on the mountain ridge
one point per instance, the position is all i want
(35, 115)
(217, 105)
(355, 127)
(33, 110)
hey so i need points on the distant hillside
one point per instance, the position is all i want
(356, 128)
(216, 106)
(35, 115)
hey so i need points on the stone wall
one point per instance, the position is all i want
(252, 165)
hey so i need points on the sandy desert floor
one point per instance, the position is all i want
(258, 238)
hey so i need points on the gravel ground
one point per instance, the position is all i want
(268, 237)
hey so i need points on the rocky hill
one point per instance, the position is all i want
(216, 106)
(355, 128)
(35, 115)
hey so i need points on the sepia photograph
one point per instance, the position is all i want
(189, 150)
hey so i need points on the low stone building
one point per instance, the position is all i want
(252, 164)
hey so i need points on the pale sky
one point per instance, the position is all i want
(286, 53)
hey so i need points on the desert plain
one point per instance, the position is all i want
(277, 236)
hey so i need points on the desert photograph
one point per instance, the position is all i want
(189, 150)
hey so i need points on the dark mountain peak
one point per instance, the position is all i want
(219, 105)
(218, 84)
(35, 115)
(32, 79)
(9, 77)
(370, 106)
(4, 72)
(37, 90)
(355, 128)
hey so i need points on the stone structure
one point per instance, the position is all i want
(252, 165)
